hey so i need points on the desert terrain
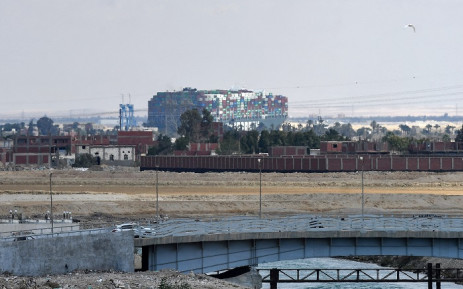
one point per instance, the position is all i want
(113, 195)
(100, 198)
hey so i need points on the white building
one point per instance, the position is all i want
(109, 154)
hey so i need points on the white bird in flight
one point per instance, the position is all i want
(412, 26)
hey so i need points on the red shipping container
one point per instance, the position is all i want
(334, 164)
(435, 164)
(399, 163)
(383, 164)
(412, 163)
(349, 164)
(446, 163)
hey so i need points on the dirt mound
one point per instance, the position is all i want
(117, 280)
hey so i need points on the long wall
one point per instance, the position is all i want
(59, 255)
(328, 163)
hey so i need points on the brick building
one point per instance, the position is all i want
(39, 150)
(142, 140)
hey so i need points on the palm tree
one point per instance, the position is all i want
(449, 129)
(404, 128)
(309, 123)
(428, 128)
(436, 126)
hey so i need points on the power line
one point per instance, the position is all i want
(453, 96)
(383, 97)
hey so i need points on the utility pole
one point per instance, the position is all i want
(363, 197)
(51, 207)
(157, 192)
(260, 188)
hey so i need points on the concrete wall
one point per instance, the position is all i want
(42, 227)
(58, 255)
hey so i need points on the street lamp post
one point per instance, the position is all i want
(157, 192)
(363, 196)
(260, 188)
(51, 207)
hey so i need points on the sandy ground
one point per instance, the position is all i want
(113, 196)
(104, 198)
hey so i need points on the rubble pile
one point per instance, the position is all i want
(113, 280)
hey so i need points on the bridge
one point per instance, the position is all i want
(427, 275)
(209, 245)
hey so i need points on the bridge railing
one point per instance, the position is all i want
(379, 275)
(304, 223)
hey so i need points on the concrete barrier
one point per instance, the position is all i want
(58, 255)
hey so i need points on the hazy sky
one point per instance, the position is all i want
(328, 56)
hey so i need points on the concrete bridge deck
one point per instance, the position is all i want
(241, 227)
(211, 245)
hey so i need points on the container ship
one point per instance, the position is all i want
(241, 109)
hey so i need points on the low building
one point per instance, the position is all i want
(39, 150)
(278, 151)
(199, 149)
(109, 154)
(353, 147)
(142, 140)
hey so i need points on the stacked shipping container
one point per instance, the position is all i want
(227, 106)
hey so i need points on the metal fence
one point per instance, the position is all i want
(304, 223)
(251, 224)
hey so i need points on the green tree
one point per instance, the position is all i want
(397, 143)
(206, 125)
(264, 141)
(45, 126)
(437, 126)
(364, 132)
(332, 135)
(163, 147)
(449, 129)
(230, 143)
(85, 161)
(195, 126)
(428, 128)
(337, 126)
(309, 124)
(190, 125)
(459, 137)
(30, 128)
(10, 127)
(306, 138)
(249, 142)
(319, 127)
(405, 129)
(181, 143)
(312, 140)
(277, 138)
(374, 126)
(299, 139)
(344, 129)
